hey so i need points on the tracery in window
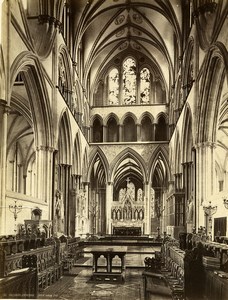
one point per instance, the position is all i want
(144, 86)
(113, 83)
(129, 81)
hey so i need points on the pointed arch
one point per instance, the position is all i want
(160, 153)
(187, 136)
(63, 52)
(97, 129)
(65, 139)
(111, 115)
(129, 127)
(146, 114)
(97, 152)
(29, 66)
(85, 166)
(2, 74)
(188, 70)
(77, 159)
(126, 115)
(128, 153)
(177, 153)
(161, 131)
(213, 77)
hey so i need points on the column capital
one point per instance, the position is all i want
(45, 148)
(205, 144)
(6, 107)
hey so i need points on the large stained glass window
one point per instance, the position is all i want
(129, 81)
(113, 83)
(144, 86)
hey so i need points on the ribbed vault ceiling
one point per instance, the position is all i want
(108, 29)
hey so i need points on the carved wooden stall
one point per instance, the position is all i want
(22, 285)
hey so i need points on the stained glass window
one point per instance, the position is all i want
(144, 86)
(113, 95)
(129, 81)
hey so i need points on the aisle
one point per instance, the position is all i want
(80, 286)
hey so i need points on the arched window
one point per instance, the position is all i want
(146, 131)
(129, 130)
(97, 131)
(113, 83)
(129, 81)
(113, 132)
(144, 86)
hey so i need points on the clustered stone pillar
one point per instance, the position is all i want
(4, 111)
(205, 177)
(147, 200)
(109, 196)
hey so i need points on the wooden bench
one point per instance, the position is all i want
(21, 285)
(49, 270)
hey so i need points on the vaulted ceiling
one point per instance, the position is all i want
(107, 30)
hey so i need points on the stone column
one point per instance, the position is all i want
(205, 174)
(44, 175)
(104, 133)
(147, 205)
(109, 198)
(138, 127)
(120, 133)
(4, 111)
(87, 198)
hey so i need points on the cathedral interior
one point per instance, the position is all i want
(114, 149)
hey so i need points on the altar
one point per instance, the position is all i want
(127, 211)
(127, 231)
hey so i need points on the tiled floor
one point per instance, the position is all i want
(78, 285)
(81, 287)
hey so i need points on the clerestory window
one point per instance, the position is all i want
(128, 86)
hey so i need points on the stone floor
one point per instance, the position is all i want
(78, 285)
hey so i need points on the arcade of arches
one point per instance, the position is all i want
(114, 114)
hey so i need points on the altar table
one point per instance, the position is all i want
(109, 254)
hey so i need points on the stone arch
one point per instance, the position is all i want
(147, 127)
(65, 70)
(161, 131)
(93, 155)
(159, 153)
(85, 166)
(177, 153)
(146, 114)
(111, 115)
(77, 159)
(112, 129)
(97, 129)
(188, 77)
(28, 64)
(65, 139)
(213, 77)
(187, 136)
(128, 153)
(2, 75)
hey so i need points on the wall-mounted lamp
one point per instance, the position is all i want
(225, 202)
(15, 209)
(210, 210)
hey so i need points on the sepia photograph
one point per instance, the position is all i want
(114, 149)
